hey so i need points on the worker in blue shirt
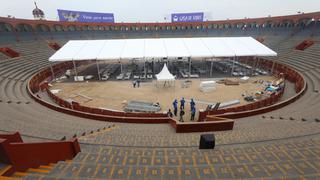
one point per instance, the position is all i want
(182, 101)
(192, 103)
(175, 107)
(193, 113)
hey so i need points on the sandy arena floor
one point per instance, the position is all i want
(113, 94)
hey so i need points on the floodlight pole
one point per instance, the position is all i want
(98, 68)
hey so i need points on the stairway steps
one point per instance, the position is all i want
(4, 168)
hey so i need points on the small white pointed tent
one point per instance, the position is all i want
(165, 74)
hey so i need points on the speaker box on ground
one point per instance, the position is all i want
(207, 141)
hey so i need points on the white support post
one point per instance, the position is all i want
(98, 68)
(75, 68)
(145, 70)
(53, 76)
(120, 67)
(211, 67)
(234, 59)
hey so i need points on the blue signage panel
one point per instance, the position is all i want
(187, 17)
(79, 16)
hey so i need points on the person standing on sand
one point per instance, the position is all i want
(134, 83)
(193, 113)
(181, 115)
(182, 102)
(192, 103)
(169, 113)
(138, 82)
(175, 107)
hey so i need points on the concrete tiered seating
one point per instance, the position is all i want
(2, 56)
(307, 62)
(275, 160)
(19, 112)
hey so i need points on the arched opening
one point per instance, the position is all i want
(287, 23)
(268, 24)
(240, 25)
(305, 22)
(5, 27)
(252, 25)
(24, 28)
(71, 28)
(58, 27)
(42, 28)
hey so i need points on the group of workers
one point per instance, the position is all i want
(182, 109)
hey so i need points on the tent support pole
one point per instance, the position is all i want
(120, 67)
(246, 63)
(53, 76)
(145, 70)
(234, 59)
(253, 66)
(153, 73)
(75, 68)
(98, 69)
(189, 67)
(273, 64)
(211, 67)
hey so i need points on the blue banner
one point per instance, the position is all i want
(79, 16)
(187, 17)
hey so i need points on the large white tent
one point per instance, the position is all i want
(205, 47)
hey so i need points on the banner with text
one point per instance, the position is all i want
(79, 16)
(187, 17)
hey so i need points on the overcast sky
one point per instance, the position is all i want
(156, 10)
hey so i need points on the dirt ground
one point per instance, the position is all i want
(114, 94)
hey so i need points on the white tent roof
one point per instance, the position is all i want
(165, 74)
(206, 47)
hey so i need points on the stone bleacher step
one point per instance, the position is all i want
(9, 178)
(97, 132)
(35, 172)
(90, 171)
(3, 169)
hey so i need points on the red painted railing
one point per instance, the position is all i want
(9, 52)
(304, 45)
(54, 46)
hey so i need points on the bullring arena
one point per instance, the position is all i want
(266, 126)
(115, 95)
